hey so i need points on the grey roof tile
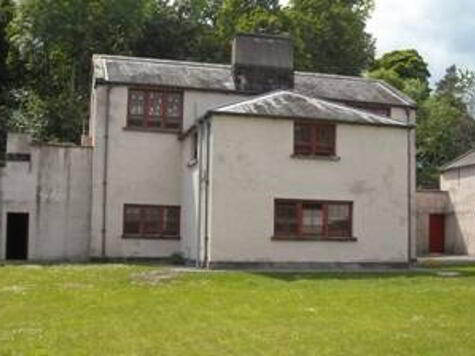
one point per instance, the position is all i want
(144, 71)
(288, 104)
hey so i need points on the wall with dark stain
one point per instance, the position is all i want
(54, 188)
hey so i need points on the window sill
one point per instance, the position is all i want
(313, 238)
(192, 162)
(152, 129)
(150, 237)
(316, 157)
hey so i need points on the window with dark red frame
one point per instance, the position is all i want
(305, 219)
(155, 109)
(314, 139)
(151, 221)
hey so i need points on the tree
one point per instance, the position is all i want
(406, 70)
(438, 126)
(329, 35)
(445, 128)
(56, 39)
(6, 14)
(406, 63)
(52, 41)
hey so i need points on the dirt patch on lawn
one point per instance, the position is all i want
(154, 277)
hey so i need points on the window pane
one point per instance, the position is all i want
(302, 139)
(339, 220)
(285, 218)
(151, 220)
(173, 105)
(171, 223)
(324, 140)
(131, 220)
(155, 105)
(303, 134)
(137, 103)
(312, 219)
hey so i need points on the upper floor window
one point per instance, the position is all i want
(309, 219)
(160, 109)
(314, 139)
(151, 221)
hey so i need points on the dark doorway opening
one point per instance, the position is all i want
(17, 236)
(436, 233)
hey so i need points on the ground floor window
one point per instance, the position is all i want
(312, 219)
(151, 221)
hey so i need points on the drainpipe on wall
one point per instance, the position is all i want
(105, 176)
(199, 129)
(409, 192)
(207, 178)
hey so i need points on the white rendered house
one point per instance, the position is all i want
(248, 163)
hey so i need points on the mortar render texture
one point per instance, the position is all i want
(252, 165)
(460, 219)
(144, 168)
(430, 202)
(54, 189)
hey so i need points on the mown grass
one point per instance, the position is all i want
(131, 310)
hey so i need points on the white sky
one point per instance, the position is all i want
(443, 31)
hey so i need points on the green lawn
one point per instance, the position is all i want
(131, 310)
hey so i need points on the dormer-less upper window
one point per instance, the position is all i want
(314, 139)
(155, 109)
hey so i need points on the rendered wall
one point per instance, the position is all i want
(460, 219)
(252, 165)
(430, 202)
(54, 188)
(143, 168)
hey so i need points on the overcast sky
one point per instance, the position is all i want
(443, 31)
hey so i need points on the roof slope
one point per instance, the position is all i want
(205, 76)
(465, 160)
(287, 104)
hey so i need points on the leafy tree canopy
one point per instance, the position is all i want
(408, 64)
(51, 43)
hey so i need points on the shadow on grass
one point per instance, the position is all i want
(440, 273)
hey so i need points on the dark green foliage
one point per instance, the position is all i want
(406, 63)
(445, 126)
(329, 35)
(51, 42)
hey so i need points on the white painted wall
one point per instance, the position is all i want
(54, 189)
(197, 103)
(460, 219)
(251, 166)
(144, 168)
(429, 202)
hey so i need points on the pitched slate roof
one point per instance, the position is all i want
(465, 160)
(287, 104)
(205, 76)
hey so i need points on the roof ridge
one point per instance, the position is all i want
(350, 108)
(336, 76)
(455, 160)
(160, 61)
(222, 65)
(396, 92)
(254, 99)
(311, 101)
